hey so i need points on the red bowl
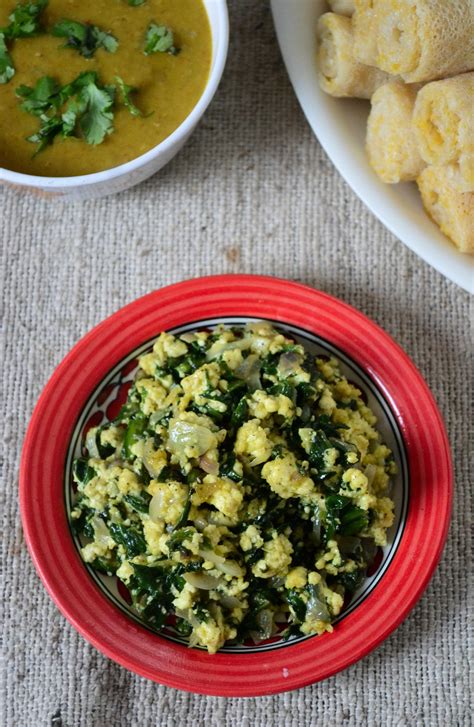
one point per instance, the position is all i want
(90, 382)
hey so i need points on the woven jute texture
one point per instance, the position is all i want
(251, 192)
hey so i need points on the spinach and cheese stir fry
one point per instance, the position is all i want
(243, 486)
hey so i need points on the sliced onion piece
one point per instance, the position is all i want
(211, 556)
(91, 443)
(201, 580)
(200, 523)
(348, 544)
(370, 472)
(316, 609)
(208, 465)
(231, 602)
(189, 616)
(288, 363)
(230, 568)
(101, 531)
(157, 416)
(186, 434)
(148, 453)
(249, 371)
(317, 524)
(264, 620)
(219, 347)
(155, 508)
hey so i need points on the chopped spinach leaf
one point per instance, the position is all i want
(176, 541)
(226, 468)
(343, 517)
(201, 612)
(253, 555)
(351, 581)
(285, 388)
(319, 445)
(139, 503)
(240, 412)
(81, 524)
(82, 472)
(133, 541)
(184, 515)
(133, 433)
(104, 565)
(296, 603)
(292, 630)
(183, 627)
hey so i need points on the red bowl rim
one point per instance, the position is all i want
(89, 611)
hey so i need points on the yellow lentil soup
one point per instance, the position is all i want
(155, 80)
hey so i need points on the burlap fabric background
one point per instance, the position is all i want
(252, 192)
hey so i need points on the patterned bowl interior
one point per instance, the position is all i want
(105, 403)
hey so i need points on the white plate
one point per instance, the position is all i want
(340, 126)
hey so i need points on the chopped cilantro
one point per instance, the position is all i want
(84, 38)
(24, 23)
(126, 92)
(46, 134)
(7, 69)
(41, 98)
(25, 20)
(82, 108)
(159, 39)
(94, 111)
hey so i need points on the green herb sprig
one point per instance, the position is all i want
(83, 108)
(25, 22)
(126, 92)
(159, 39)
(84, 37)
(7, 69)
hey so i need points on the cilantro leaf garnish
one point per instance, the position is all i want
(84, 38)
(94, 110)
(24, 22)
(45, 135)
(39, 99)
(7, 69)
(136, 3)
(81, 108)
(126, 92)
(159, 39)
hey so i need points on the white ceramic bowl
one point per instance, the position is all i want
(340, 125)
(99, 184)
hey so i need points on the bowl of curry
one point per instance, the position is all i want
(98, 96)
